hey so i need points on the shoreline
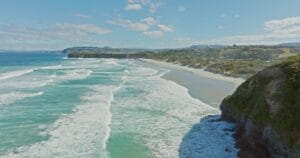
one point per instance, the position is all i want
(198, 72)
(209, 88)
(200, 85)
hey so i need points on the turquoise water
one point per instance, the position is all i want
(56, 107)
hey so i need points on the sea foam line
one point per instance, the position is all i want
(51, 67)
(9, 98)
(76, 74)
(17, 73)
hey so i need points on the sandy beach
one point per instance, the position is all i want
(206, 86)
(210, 89)
(200, 72)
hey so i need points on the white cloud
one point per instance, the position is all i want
(276, 31)
(275, 25)
(156, 33)
(84, 16)
(149, 21)
(237, 16)
(133, 7)
(220, 27)
(223, 15)
(148, 26)
(284, 28)
(181, 9)
(165, 28)
(238, 39)
(135, 26)
(59, 31)
(144, 2)
(56, 36)
(81, 29)
(153, 5)
(186, 41)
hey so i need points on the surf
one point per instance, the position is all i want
(82, 133)
(17, 73)
(9, 98)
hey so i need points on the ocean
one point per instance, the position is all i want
(51, 106)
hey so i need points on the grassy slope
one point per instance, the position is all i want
(241, 61)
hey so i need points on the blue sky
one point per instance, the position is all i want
(57, 24)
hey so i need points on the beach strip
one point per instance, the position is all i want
(200, 72)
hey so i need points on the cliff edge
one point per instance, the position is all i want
(266, 108)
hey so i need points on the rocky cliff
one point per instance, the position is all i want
(266, 108)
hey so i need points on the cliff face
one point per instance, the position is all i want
(267, 109)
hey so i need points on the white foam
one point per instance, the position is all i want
(40, 79)
(209, 138)
(101, 64)
(76, 74)
(51, 67)
(167, 113)
(160, 114)
(81, 134)
(47, 82)
(66, 67)
(111, 62)
(9, 98)
(16, 73)
(28, 82)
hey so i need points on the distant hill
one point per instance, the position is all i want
(235, 61)
(294, 44)
(206, 46)
(103, 50)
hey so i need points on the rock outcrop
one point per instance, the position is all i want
(266, 108)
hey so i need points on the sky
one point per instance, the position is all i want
(58, 24)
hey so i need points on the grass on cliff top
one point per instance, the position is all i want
(238, 68)
(249, 100)
(289, 116)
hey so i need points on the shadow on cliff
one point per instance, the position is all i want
(211, 137)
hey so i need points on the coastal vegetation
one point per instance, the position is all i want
(235, 61)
